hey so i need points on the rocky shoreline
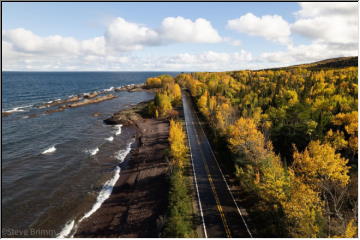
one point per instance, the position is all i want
(137, 205)
(83, 99)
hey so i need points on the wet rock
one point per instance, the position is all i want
(5, 114)
(60, 109)
(127, 116)
(90, 101)
(73, 99)
(58, 102)
(91, 95)
(131, 88)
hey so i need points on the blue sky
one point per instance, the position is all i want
(170, 36)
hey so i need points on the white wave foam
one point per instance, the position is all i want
(121, 154)
(109, 89)
(66, 230)
(18, 109)
(110, 139)
(93, 152)
(49, 150)
(104, 193)
(56, 100)
(118, 129)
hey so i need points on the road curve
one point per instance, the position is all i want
(220, 214)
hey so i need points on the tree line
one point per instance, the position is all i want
(179, 219)
(291, 137)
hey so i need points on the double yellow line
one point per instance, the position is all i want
(219, 207)
(218, 204)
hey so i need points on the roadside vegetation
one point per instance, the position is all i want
(180, 212)
(167, 96)
(291, 135)
(179, 219)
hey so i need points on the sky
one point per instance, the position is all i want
(174, 36)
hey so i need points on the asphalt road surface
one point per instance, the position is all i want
(221, 217)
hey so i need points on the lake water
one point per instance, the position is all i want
(57, 168)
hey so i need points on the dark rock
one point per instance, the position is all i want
(91, 95)
(58, 102)
(5, 114)
(90, 101)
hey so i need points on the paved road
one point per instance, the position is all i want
(220, 215)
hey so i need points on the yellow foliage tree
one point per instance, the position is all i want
(350, 230)
(348, 120)
(163, 103)
(153, 82)
(178, 147)
(246, 140)
(302, 209)
(202, 103)
(319, 163)
(350, 123)
(336, 139)
(275, 181)
(176, 92)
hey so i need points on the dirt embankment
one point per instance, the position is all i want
(137, 205)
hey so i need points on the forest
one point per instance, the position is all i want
(290, 137)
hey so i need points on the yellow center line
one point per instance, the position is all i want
(218, 204)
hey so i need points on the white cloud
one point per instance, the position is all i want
(314, 9)
(26, 41)
(207, 61)
(231, 41)
(307, 53)
(335, 23)
(271, 27)
(332, 29)
(122, 35)
(127, 36)
(179, 29)
(94, 46)
(24, 49)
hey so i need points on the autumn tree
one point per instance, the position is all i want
(319, 163)
(153, 82)
(327, 173)
(262, 114)
(178, 149)
(163, 103)
(303, 209)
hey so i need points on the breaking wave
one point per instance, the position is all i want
(93, 152)
(118, 129)
(121, 155)
(66, 230)
(51, 149)
(18, 109)
(101, 198)
(109, 89)
(110, 139)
